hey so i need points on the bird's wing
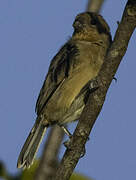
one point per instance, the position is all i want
(58, 71)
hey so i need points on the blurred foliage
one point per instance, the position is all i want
(5, 175)
(77, 176)
(29, 173)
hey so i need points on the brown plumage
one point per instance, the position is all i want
(66, 87)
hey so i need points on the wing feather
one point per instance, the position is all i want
(58, 71)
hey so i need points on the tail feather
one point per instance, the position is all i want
(31, 146)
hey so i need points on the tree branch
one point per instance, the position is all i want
(49, 161)
(94, 5)
(96, 99)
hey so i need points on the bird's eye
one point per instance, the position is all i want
(93, 22)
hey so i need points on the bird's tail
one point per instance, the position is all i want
(31, 146)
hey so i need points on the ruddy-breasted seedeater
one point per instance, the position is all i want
(66, 86)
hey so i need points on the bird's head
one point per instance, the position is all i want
(91, 26)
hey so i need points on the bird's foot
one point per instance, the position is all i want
(66, 130)
(93, 85)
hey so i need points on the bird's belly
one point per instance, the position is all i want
(63, 97)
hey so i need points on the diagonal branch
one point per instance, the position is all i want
(96, 99)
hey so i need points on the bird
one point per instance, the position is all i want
(66, 87)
